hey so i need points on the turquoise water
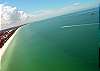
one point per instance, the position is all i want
(46, 46)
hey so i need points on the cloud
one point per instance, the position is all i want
(76, 4)
(10, 16)
(74, 7)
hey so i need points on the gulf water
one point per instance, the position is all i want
(50, 45)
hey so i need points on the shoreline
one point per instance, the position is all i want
(5, 46)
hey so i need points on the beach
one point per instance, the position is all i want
(5, 46)
(62, 43)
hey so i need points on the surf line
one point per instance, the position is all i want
(78, 25)
(5, 46)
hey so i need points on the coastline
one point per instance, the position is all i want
(3, 49)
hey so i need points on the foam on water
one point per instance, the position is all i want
(78, 25)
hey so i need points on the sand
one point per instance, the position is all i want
(3, 49)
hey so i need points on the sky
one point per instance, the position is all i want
(19, 12)
(33, 5)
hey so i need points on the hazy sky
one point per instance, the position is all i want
(18, 12)
(33, 5)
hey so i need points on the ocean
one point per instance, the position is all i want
(64, 43)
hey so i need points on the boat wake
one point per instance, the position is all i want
(70, 26)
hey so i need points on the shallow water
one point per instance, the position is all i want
(46, 46)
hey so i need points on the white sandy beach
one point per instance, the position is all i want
(3, 49)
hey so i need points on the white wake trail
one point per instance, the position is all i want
(70, 26)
